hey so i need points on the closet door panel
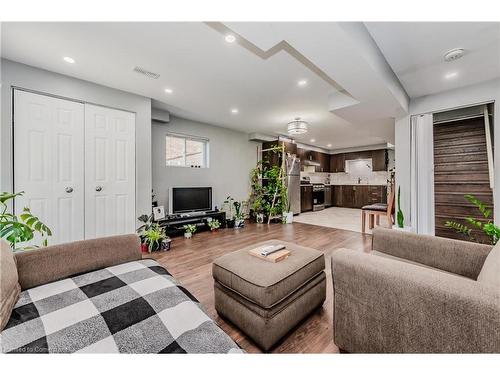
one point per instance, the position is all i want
(48, 162)
(110, 171)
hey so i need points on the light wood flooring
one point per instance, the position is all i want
(190, 261)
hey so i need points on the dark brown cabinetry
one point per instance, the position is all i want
(321, 158)
(274, 158)
(357, 196)
(337, 162)
(337, 196)
(306, 199)
(379, 160)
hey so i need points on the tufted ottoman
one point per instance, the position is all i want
(264, 299)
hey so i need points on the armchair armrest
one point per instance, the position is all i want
(384, 305)
(458, 257)
(44, 265)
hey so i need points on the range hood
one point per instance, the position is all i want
(310, 162)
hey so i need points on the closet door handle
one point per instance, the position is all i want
(98, 188)
(69, 189)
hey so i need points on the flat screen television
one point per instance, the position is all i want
(191, 199)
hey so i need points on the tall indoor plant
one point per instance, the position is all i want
(19, 230)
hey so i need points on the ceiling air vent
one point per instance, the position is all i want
(145, 72)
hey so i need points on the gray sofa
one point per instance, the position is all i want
(417, 294)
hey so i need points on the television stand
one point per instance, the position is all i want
(174, 224)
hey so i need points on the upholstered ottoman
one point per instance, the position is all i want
(264, 299)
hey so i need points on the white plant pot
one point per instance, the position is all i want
(188, 234)
(288, 217)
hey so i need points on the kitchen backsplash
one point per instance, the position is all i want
(374, 178)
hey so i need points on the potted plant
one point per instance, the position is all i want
(258, 210)
(19, 230)
(152, 236)
(214, 225)
(189, 229)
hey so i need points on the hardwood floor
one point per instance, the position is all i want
(190, 261)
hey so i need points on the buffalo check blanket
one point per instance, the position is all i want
(135, 307)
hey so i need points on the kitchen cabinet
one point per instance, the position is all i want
(379, 160)
(306, 198)
(274, 158)
(324, 162)
(337, 162)
(337, 196)
(357, 196)
(328, 195)
(321, 158)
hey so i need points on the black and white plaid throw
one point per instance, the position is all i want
(135, 307)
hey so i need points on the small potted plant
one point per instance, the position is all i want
(155, 238)
(152, 236)
(214, 225)
(189, 229)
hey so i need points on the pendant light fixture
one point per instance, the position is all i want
(297, 126)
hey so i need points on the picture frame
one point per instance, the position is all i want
(158, 213)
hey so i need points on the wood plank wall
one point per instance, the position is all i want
(460, 167)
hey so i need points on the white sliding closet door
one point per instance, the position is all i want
(109, 171)
(48, 162)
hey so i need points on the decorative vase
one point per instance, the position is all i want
(240, 223)
(288, 217)
(230, 223)
(188, 234)
(144, 248)
(213, 230)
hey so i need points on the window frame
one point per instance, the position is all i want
(185, 138)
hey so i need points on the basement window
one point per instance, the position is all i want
(186, 151)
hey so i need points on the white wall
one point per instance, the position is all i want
(28, 77)
(466, 96)
(231, 157)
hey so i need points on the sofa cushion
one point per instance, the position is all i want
(490, 273)
(9, 283)
(266, 283)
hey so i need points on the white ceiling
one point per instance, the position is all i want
(209, 76)
(415, 52)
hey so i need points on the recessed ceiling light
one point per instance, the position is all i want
(329, 145)
(169, 91)
(450, 75)
(234, 110)
(230, 38)
(302, 82)
(69, 60)
(313, 140)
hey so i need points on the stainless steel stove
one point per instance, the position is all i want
(318, 197)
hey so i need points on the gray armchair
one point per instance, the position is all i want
(417, 294)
